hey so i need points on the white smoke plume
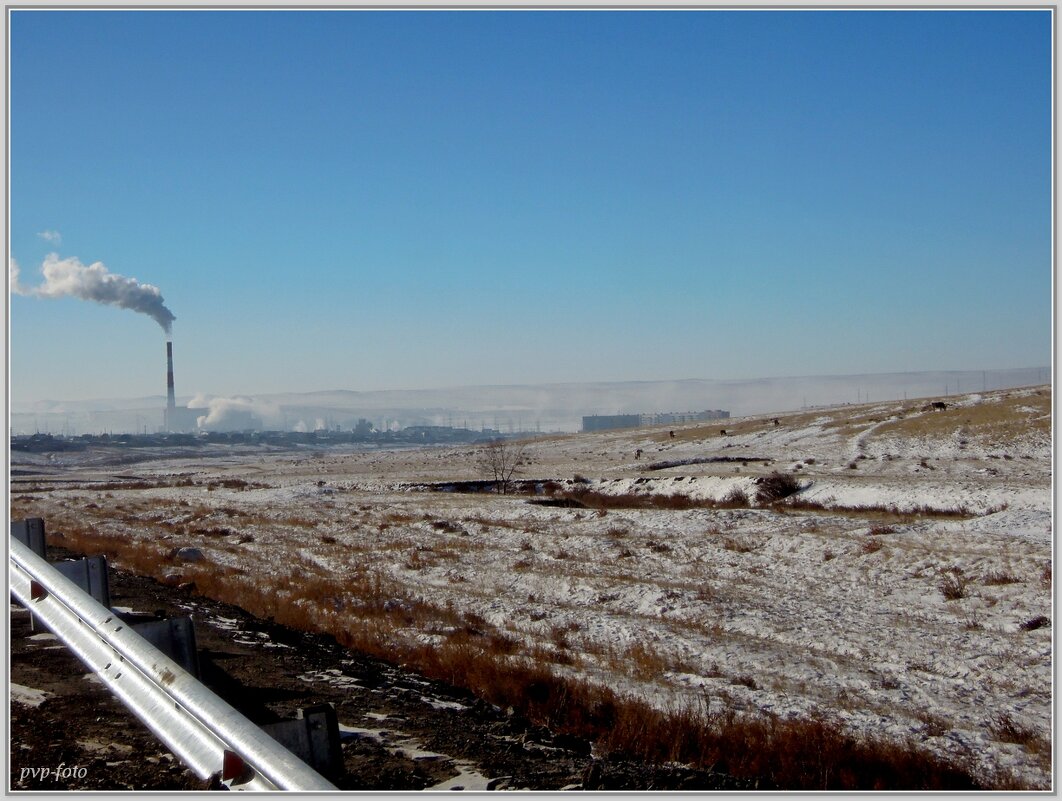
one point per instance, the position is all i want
(70, 278)
(302, 427)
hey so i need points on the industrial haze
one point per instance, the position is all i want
(544, 407)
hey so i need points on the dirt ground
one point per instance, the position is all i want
(400, 731)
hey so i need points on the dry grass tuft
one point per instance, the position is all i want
(644, 662)
(953, 584)
(1000, 577)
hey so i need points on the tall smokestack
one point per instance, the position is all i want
(171, 404)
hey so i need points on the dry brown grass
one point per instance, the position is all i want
(140, 484)
(643, 662)
(809, 754)
(1007, 730)
(881, 512)
(997, 421)
(1000, 577)
(368, 611)
(591, 499)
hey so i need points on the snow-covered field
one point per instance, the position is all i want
(913, 601)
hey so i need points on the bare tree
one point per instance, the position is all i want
(501, 460)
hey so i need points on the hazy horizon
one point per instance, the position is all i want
(528, 407)
(181, 397)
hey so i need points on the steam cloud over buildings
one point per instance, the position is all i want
(234, 414)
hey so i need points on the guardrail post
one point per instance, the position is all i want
(175, 637)
(90, 574)
(313, 736)
(30, 532)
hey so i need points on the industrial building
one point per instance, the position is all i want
(608, 422)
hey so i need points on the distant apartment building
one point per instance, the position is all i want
(668, 418)
(608, 422)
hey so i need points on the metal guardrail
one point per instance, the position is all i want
(205, 732)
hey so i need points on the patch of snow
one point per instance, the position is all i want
(437, 703)
(28, 696)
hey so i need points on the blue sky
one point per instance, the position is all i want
(373, 200)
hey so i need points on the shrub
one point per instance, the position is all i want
(447, 527)
(774, 487)
(871, 546)
(736, 498)
(1035, 623)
